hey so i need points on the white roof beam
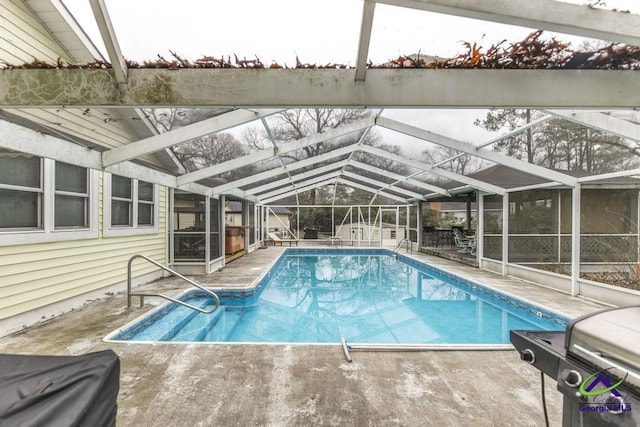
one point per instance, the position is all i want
(272, 138)
(242, 195)
(480, 185)
(267, 88)
(290, 167)
(28, 141)
(371, 190)
(368, 9)
(602, 122)
(184, 134)
(532, 187)
(517, 130)
(550, 15)
(514, 132)
(299, 190)
(301, 184)
(381, 185)
(610, 175)
(110, 41)
(18, 138)
(397, 177)
(267, 154)
(468, 148)
(294, 178)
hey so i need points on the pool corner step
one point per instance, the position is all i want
(197, 326)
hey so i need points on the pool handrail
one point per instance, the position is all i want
(399, 246)
(174, 273)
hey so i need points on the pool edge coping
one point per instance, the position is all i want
(254, 285)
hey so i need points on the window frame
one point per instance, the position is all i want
(47, 232)
(85, 196)
(134, 228)
(25, 189)
(153, 202)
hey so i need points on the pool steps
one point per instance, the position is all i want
(196, 327)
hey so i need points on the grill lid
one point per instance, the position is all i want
(608, 339)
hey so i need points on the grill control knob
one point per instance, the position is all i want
(528, 356)
(573, 378)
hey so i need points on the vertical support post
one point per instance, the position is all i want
(637, 220)
(207, 234)
(245, 222)
(398, 224)
(223, 231)
(575, 239)
(419, 224)
(171, 228)
(407, 225)
(505, 232)
(559, 231)
(369, 227)
(468, 212)
(351, 224)
(265, 222)
(298, 222)
(333, 220)
(480, 229)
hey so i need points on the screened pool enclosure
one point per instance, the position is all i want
(531, 148)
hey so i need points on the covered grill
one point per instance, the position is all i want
(596, 363)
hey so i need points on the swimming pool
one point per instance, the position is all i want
(363, 295)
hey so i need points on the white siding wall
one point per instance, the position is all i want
(35, 275)
(23, 37)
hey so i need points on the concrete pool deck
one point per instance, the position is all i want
(300, 385)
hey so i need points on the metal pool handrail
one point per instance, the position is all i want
(399, 246)
(175, 273)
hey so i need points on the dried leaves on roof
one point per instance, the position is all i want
(531, 53)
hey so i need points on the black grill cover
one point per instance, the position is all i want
(59, 390)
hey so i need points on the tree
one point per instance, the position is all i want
(560, 144)
(521, 146)
(456, 163)
(211, 150)
(207, 150)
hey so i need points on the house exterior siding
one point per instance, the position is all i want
(39, 274)
(25, 38)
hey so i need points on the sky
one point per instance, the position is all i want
(279, 30)
(317, 32)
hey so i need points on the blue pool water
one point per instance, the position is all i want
(366, 296)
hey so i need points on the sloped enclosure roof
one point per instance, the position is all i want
(401, 145)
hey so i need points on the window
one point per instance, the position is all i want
(133, 208)
(121, 201)
(71, 196)
(21, 191)
(42, 200)
(145, 203)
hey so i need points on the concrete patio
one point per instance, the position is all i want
(295, 385)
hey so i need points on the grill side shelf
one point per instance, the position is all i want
(542, 349)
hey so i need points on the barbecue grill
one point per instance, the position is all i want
(596, 363)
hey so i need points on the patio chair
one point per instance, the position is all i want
(274, 238)
(466, 244)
